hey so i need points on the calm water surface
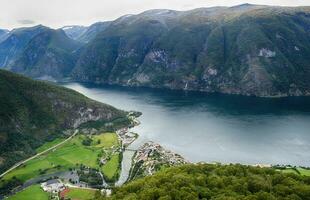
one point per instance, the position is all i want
(210, 127)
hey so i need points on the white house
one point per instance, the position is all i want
(54, 185)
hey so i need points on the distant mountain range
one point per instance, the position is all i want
(246, 49)
(85, 34)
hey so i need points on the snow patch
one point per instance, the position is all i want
(267, 53)
(67, 27)
(296, 48)
(212, 72)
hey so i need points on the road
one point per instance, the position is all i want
(39, 154)
(79, 187)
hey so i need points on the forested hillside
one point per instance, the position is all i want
(33, 112)
(216, 182)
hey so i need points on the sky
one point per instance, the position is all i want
(58, 13)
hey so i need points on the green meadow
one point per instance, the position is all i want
(81, 194)
(298, 171)
(33, 192)
(48, 145)
(69, 155)
(111, 168)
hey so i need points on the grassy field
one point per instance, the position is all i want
(49, 144)
(80, 194)
(111, 167)
(304, 172)
(31, 193)
(288, 170)
(68, 156)
(107, 140)
(298, 171)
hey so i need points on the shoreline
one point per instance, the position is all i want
(126, 137)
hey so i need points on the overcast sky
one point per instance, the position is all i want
(58, 13)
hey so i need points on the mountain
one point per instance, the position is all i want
(246, 49)
(34, 112)
(50, 53)
(85, 34)
(92, 31)
(3, 34)
(74, 32)
(214, 181)
(15, 42)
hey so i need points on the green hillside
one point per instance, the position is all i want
(35, 112)
(216, 182)
(246, 49)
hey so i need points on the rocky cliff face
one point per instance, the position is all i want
(248, 50)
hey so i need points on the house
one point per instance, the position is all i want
(53, 185)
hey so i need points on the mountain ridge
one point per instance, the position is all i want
(189, 50)
(247, 49)
(50, 53)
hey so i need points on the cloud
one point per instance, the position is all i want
(26, 21)
(58, 13)
(188, 5)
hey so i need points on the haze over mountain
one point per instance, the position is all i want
(246, 49)
(85, 34)
(50, 53)
(75, 31)
(15, 42)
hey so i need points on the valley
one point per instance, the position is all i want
(183, 103)
(103, 151)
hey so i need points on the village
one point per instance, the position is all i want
(58, 189)
(151, 157)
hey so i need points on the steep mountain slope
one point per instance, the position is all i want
(15, 42)
(218, 182)
(246, 49)
(92, 31)
(3, 34)
(50, 53)
(74, 32)
(33, 112)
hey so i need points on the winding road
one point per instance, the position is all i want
(38, 154)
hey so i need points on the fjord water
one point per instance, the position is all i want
(213, 127)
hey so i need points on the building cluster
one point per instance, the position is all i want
(153, 155)
(54, 186)
(126, 137)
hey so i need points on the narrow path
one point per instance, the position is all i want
(39, 154)
(79, 187)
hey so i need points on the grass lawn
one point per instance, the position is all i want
(288, 170)
(111, 167)
(67, 156)
(80, 194)
(49, 144)
(33, 192)
(304, 172)
(107, 140)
